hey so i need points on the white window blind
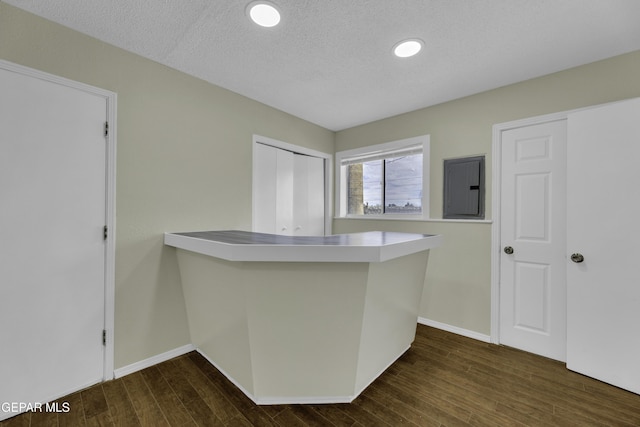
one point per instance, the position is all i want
(381, 155)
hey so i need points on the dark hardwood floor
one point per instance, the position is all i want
(443, 380)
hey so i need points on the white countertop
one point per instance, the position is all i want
(372, 246)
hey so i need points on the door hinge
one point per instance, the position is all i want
(104, 337)
(105, 231)
(106, 129)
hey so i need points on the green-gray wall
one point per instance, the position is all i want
(458, 286)
(183, 163)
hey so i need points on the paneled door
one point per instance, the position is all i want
(52, 245)
(533, 239)
(603, 323)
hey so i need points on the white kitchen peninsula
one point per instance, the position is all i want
(292, 319)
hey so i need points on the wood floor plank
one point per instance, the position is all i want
(138, 391)
(335, 415)
(364, 417)
(22, 420)
(94, 402)
(598, 388)
(75, 416)
(582, 401)
(252, 412)
(156, 382)
(180, 385)
(208, 391)
(202, 414)
(257, 417)
(532, 417)
(309, 416)
(120, 406)
(124, 416)
(440, 399)
(151, 416)
(239, 421)
(480, 384)
(44, 419)
(102, 419)
(383, 412)
(443, 380)
(143, 401)
(169, 402)
(413, 409)
(287, 418)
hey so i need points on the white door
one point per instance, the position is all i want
(603, 324)
(288, 192)
(308, 195)
(533, 238)
(265, 188)
(52, 250)
(273, 190)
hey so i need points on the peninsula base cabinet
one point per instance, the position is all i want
(302, 319)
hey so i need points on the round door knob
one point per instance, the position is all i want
(577, 258)
(508, 250)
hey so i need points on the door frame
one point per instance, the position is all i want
(496, 184)
(110, 194)
(328, 182)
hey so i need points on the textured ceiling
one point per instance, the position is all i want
(330, 61)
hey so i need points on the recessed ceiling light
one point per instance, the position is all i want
(407, 48)
(263, 13)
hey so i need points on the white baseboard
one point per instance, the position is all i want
(454, 329)
(303, 400)
(146, 363)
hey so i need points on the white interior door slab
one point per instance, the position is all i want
(308, 195)
(284, 192)
(288, 192)
(52, 250)
(532, 232)
(265, 188)
(272, 190)
(603, 323)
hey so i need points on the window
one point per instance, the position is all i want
(385, 180)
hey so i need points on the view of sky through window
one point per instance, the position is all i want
(402, 185)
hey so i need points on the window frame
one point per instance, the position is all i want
(382, 150)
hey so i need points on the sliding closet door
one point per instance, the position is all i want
(288, 192)
(308, 195)
(273, 190)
